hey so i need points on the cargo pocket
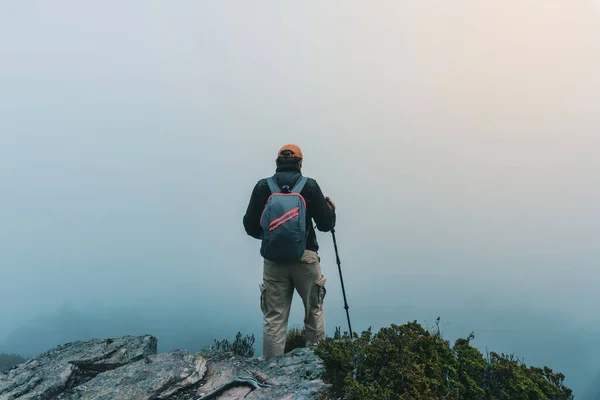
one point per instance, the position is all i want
(310, 257)
(263, 300)
(321, 291)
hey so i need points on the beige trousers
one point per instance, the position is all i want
(277, 289)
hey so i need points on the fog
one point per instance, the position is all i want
(458, 140)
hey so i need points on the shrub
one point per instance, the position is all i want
(296, 338)
(409, 362)
(241, 346)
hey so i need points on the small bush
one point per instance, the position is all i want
(409, 362)
(296, 338)
(241, 346)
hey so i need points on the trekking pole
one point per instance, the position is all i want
(337, 256)
(354, 347)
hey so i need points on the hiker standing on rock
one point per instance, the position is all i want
(280, 214)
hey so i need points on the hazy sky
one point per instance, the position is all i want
(458, 139)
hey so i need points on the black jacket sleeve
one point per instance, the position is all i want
(322, 214)
(253, 212)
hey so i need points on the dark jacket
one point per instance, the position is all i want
(316, 205)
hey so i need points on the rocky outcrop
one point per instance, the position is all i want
(69, 365)
(130, 368)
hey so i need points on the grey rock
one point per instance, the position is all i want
(158, 376)
(296, 375)
(70, 365)
(129, 368)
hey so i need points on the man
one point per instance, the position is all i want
(304, 275)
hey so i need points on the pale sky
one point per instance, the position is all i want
(458, 139)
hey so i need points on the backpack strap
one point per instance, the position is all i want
(272, 185)
(300, 185)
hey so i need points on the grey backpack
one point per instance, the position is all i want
(283, 223)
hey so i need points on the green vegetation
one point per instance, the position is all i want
(295, 339)
(241, 346)
(7, 361)
(409, 362)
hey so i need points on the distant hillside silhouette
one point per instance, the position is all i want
(7, 361)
